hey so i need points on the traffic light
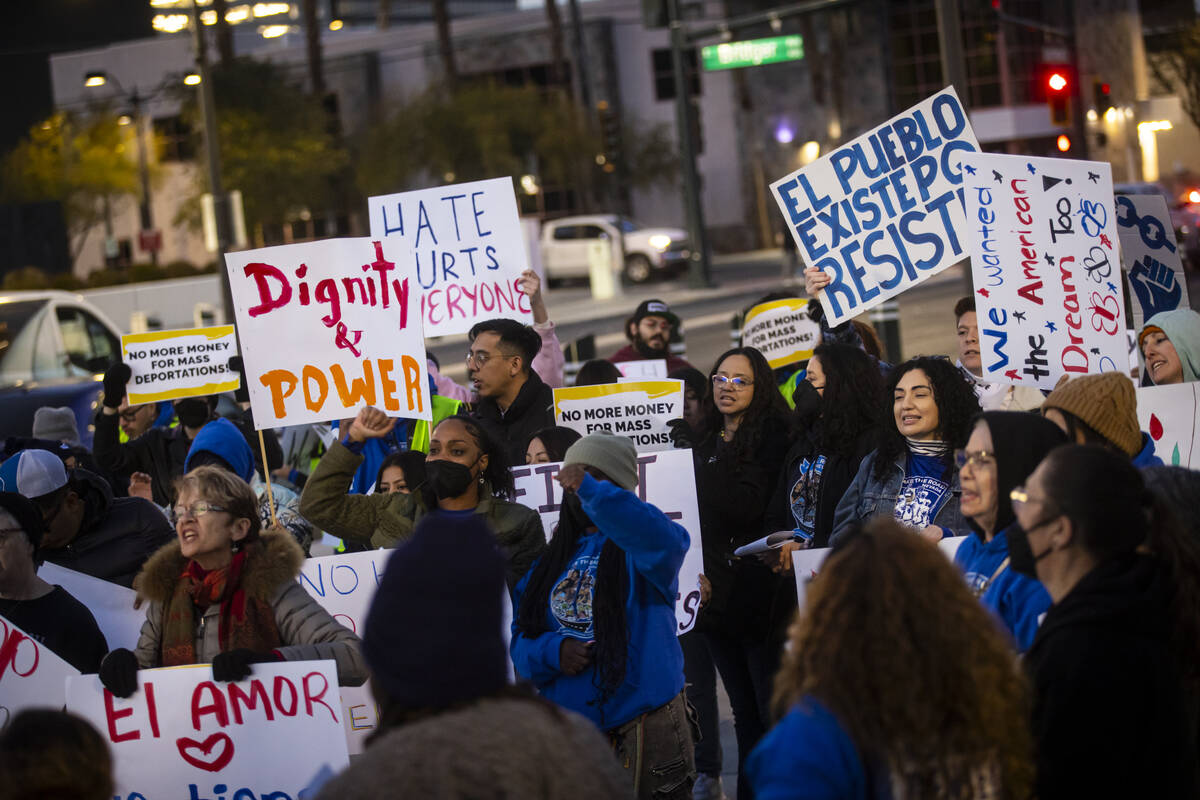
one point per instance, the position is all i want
(1102, 96)
(610, 133)
(1063, 143)
(1058, 95)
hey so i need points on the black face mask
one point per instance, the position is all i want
(447, 478)
(807, 400)
(1020, 555)
(193, 412)
(572, 512)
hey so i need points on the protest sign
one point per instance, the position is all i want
(465, 247)
(1045, 265)
(1169, 414)
(640, 370)
(182, 734)
(166, 365)
(807, 563)
(326, 328)
(782, 331)
(31, 675)
(667, 481)
(1150, 256)
(883, 212)
(637, 409)
(110, 603)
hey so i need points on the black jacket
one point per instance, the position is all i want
(532, 410)
(1112, 716)
(116, 536)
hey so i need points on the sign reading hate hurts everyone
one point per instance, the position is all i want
(167, 365)
(782, 331)
(637, 409)
(465, 247)
(182, 734)
(666, 480)
(884, 212)
(31, 675)
(328, 327)
(1046, 268)
(1150, 256)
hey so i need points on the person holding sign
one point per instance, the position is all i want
(465, 473)
(889, 619)
(594, 620)
(911, 474)
(1116, 657)
(1170, 345)
(992, 396)
(225, 592)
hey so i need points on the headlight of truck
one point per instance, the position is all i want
(660, 242)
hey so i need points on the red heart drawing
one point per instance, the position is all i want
(1156, 427)
(205, 748)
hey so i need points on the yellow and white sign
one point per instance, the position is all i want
(167, 365)
(782, 331)
(637, 409)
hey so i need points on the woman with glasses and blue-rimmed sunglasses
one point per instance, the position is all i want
(226, 593)
(1116, 661)
(1004, 449)
(745, 435)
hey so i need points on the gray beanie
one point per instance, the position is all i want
(613, 455)
(56, 424)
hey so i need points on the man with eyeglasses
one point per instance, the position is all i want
(87, 529)
(649, 332)
(514, 402)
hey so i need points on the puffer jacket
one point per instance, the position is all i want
(388, 520)
(307, 630)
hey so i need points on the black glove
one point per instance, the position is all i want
(118, 671)
(233, 665)
(115, 378)
(681, 434)
(242, 395)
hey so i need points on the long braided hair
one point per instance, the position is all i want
(608, 603)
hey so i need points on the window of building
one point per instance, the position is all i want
(664, 73)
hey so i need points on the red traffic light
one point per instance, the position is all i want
(1105, 88)
(1056, 81)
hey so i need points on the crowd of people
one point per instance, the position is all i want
(1066, 623)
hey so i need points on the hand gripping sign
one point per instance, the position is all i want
(465, 248)
(167, 365)
(883, 212)
(326, 328)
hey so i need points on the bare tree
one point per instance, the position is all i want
(441, 20)
(1177, 67)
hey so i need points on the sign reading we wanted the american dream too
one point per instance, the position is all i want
(884, 212)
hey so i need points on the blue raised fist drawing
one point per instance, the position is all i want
(1155, 285)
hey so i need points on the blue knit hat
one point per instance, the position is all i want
(222, 438)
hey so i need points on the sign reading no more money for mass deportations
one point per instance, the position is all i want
(167, 365)
(782, 331)
(639, 410)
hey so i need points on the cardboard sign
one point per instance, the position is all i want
(782, 331)
(31, 675)
(807, 563)
(182, 734)
(1170, 415)
(1046, 268)
(637, 409)
(884, 212)
(465, 248)
(110, 603)
(166, 365)
(640, 370)
(1150, 256)
(667, 481)
(328, 327)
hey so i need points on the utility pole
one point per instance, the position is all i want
(699, 271)
(954, 72)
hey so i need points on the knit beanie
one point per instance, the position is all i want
(1107, 403)
(1182, 328)
(433, 637)
(56, 424)
(613, 455)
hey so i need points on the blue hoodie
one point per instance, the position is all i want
(1018, 600)
(1146, 457)
(654, 550)
(221, 437)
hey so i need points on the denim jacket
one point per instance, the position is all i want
(868, 496)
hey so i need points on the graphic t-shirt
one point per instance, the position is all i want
(806, 488)
(572, 596)
(923, 492)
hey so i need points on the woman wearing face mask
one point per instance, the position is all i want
(1170, 345)
(911, 474)
(465, 473)
(1004, 448)
(1116, 662)
(549, 445)
(745, 435)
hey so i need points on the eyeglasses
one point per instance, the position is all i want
(981, 458)
(195, 510)
(737, 384)
(478, 358)
(131, 414)
(1021, 499)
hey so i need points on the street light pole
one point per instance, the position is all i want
(147, 217)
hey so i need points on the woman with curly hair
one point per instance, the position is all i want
(745, 435)
(466, 472)
(896, 683)
(1117, 658)
(911, 473)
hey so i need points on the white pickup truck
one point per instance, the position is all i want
(648, 251)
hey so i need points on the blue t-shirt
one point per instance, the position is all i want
(923, 492)
(808, 755)
(1018, 600)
